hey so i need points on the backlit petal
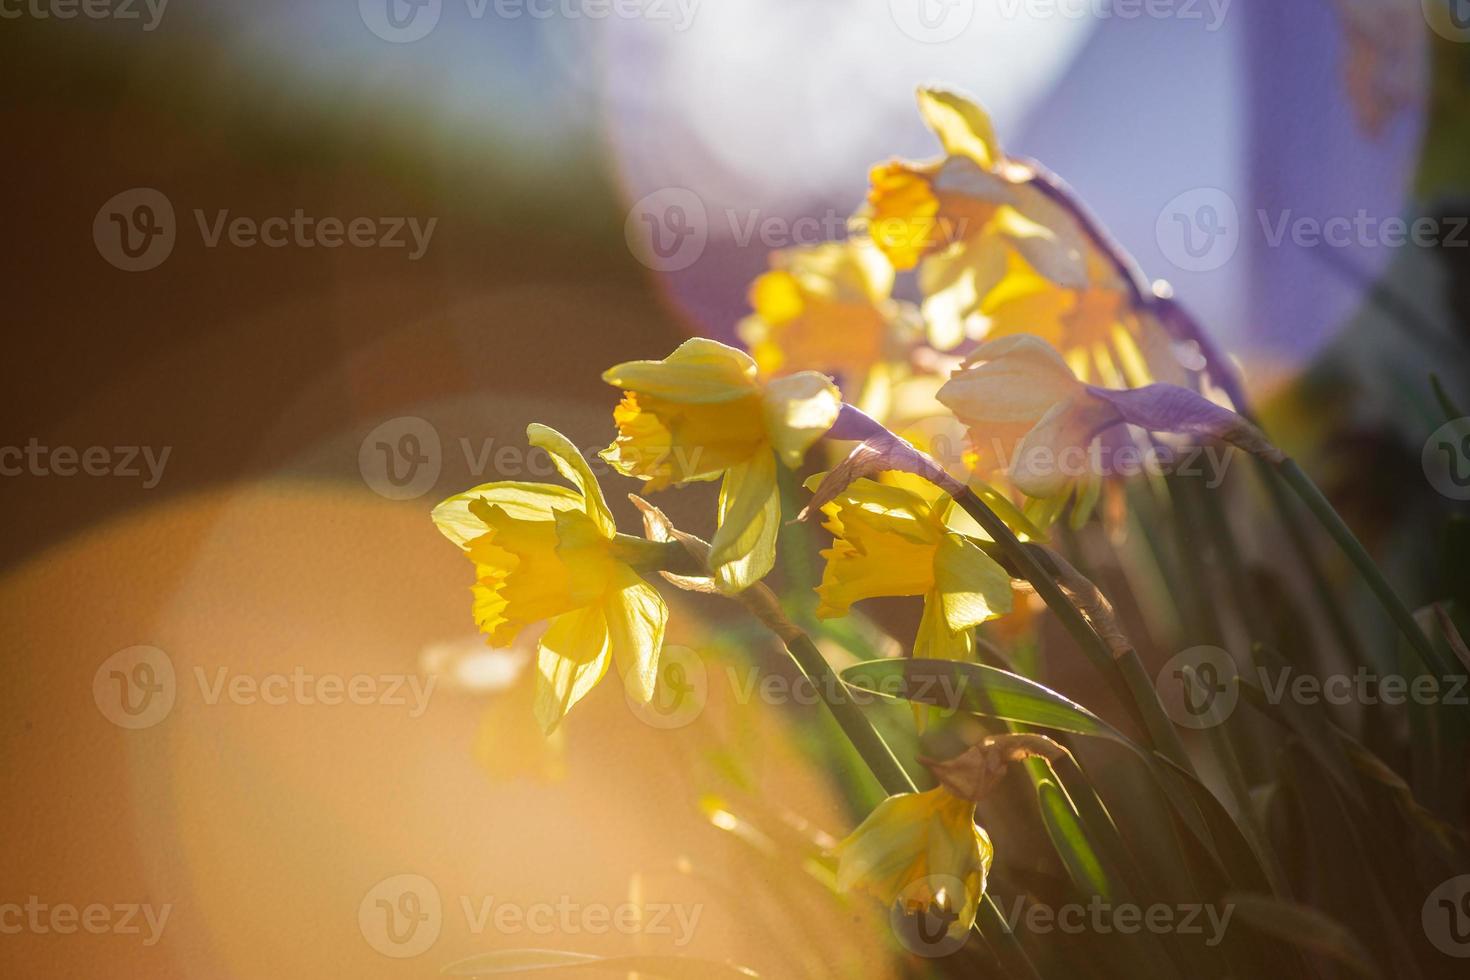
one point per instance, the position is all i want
(636, 616)
(699, 370)
(799, 410)
(973, 588)
(572, 658)
(522, 501)
(744, 547)
(574, 467)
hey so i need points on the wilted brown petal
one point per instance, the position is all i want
(658, 527)
(1089, 600)
(974, 774)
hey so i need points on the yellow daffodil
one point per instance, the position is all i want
(1028, 416)
(893, 538)
(923, 850)
(828, 308)
(964, 215)
(997, 254)
(1026, 409)
(545, 552)
(1103, 338)
(702, 413)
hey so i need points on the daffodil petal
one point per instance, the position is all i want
(699, 370)
(973, 588)
(574, 467)
(935, 640)
(913, 845)
(1046, 236)
(572, 658)
(744, 547)
(636, 616)
(1055, 453)
(799, 410)
(1010, 379)
(522, 501)
(963, 128)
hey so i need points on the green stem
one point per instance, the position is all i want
(990, 925)
(1124, 670)
(1323, 510)
(1342, 630)
(855, 725)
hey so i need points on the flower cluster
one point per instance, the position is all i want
(1025, 337)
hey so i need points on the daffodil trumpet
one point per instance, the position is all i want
(703, 413)
(549, 553)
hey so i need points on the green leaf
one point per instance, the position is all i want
(981, 690)
(1070, 840)
(552, 962)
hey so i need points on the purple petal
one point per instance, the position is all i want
(880, 452)
(1169, 408)
(855, 425)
